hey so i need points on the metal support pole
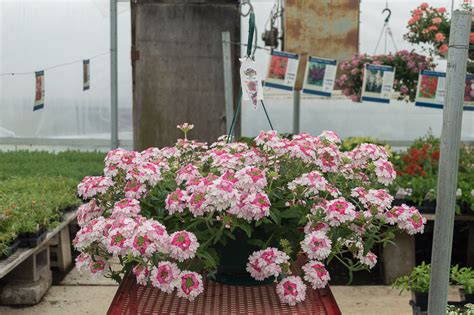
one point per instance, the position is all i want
(228, 91)
(296, 111)
(113, 76)
(449, 161)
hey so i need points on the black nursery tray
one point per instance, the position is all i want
(31, 241)
(11, 249)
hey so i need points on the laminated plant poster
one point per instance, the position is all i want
(431, 89)
(377, 83)
(320, 76)
(282, 70)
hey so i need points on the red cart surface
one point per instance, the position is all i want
(134, 299)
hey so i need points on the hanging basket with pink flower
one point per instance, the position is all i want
(278, 210)
(407, 67)
(429, 27)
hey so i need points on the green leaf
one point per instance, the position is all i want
(290, 213)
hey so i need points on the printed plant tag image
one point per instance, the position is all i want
(250, 81)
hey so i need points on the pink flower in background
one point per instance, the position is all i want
(291, 290)
(437, 20)
(439, 37)
(164, 275)
(189, 285)
(316, 274)
(443, 49)
(424, 6)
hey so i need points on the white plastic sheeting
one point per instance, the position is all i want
(41, 34)
(37, 34)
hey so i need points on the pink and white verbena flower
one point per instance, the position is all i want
(316, 245)
(152, 209)
(266, 263)
(164, 276)
(183, 245)
(291, 290)
(339, 211)
(316, 274)
(189, 285)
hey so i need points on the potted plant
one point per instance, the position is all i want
(30, 232)
(465, 277)
(418, 282)
(227, 210)
(8, 244)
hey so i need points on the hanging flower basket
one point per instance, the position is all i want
(232, 212)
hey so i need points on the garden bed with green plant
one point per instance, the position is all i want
(417, 175)
(35, 190)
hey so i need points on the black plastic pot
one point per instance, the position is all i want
(420, 300)
(233, 260)
(31, 240)
(466, 298)
(11, 249)
(428, 206)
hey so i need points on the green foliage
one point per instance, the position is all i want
(417, 281)
(36, 187)
(71, 164)
(463, 276)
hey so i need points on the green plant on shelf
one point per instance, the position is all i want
(418, 280)
(463, 276)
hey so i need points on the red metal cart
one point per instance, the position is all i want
(134, 299)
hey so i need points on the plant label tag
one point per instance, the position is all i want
(377, 83)
(282, 70)
(320, 76)
(431, 89)
(39, 90)
(251, 84)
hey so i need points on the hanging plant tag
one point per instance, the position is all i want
(378, 83)
(320, 76)
(282, 70)
(250, 81)
(39, 90)
(431, 89)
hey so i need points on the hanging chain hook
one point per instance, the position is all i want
(241, 5)
(388, 15)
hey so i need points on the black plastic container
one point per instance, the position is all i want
(11, 249)
(466, 298)
(31, 240)
(420, 300)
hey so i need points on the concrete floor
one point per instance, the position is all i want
(78, 295)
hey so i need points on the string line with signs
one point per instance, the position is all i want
(39, 100)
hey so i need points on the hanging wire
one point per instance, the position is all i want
(55, 66)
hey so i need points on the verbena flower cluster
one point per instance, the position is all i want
(407, 67)
(160, 213)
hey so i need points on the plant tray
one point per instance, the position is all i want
(32, 241)
(217, 299)
(11, 249)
